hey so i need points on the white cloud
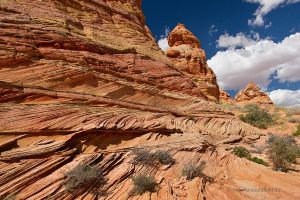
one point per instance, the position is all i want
(257, 60)
(289, 71)
(266, 6)
(163, 41)
(285, 97)
(232, 42)
(268, 25)
(163, 44)
(212, 29)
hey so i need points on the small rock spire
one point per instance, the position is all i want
(180, 35)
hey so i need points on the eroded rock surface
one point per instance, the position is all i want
(225, 97)
(85, 82)
(253, 94)
(185, 51)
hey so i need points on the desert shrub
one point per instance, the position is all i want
(297, 133)
(282, 152)
(164, 157)
(241, 152)
(257, 117)
(258, 161)
(84, 175)
(193, 170)
(142, 184)
(145, 157)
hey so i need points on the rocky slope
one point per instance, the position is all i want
(85, 82)
(225, 97)
(253, 94)
(185, 51)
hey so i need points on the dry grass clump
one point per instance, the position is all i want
(142, 184)
(192, 170)
(84, 175)
(146, 157)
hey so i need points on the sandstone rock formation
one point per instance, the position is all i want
(253, 94)
(85, 82)
(225, 97)
(185, 51)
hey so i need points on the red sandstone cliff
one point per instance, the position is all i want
(185, 51)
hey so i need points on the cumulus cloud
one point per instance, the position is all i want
(163, 44)
(257, 60)
(240, 40)
(266, 6)
(285, 97)
(163, 41)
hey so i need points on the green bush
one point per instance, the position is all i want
(164, 157)
(257, 117)
(297, 133)
(142, 184)
(84, 175)
(258, 161)
(192, 170)
(282, 152)
(241, 152)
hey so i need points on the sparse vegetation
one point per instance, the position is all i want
(257, 117)
(145, 157)
(297, 133)
(193, 170)
(258, 161)
(282, 152)
(142, 184)
(242, 152)
(84, 175)
(164, 157)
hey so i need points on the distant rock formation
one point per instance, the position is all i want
(253, 94)
(225, 97)
(185, 51)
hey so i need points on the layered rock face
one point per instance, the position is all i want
(253, 94)
(83, 82)
(225, 97)
(185, 51)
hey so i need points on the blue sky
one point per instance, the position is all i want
(230, 28)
